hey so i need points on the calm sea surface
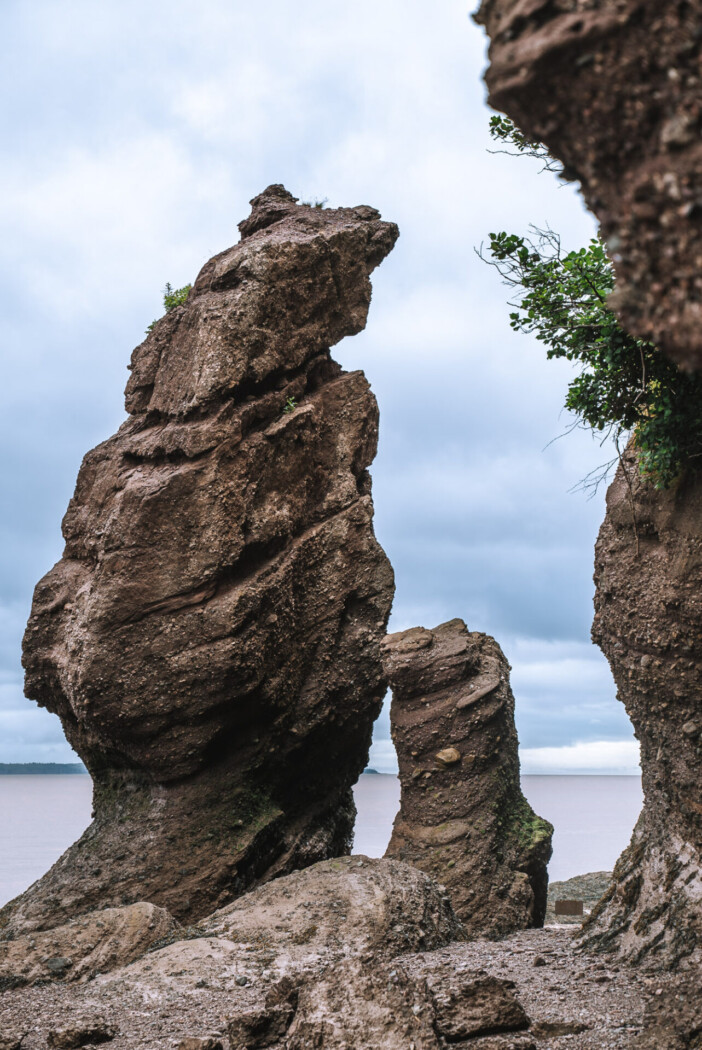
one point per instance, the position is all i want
(593, 817)
(41, 815)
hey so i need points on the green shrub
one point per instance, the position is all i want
(172, 297)
(624, 385)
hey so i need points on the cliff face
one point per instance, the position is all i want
(613, 89)
(463, 818)
(210, 638)
(648, 622)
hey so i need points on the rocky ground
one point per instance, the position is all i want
(353, 954)
(573, 1001)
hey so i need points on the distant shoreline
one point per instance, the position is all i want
(73, 768)
(35, 768)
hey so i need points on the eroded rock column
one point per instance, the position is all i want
(463, 818)
(211, 637)
(648, 622)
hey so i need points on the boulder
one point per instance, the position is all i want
(10, 1041)
(86, 1035)
(198, 1043)
(352, 905)
(463, 818)
(347, 953)
(648, 622)
(211, 636)
(613, 90)
(92, 944)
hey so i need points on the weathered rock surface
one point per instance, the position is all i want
(354, 906)
(673, 1013)
(648, 622)
(10, 1041)
(463, 818)
(195, 1043)
(210, 638)
(94, 943)
(73, 1038)
(327, 958)
(257, 982)
(612, 87)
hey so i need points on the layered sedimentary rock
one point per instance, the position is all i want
(648, 622)
(343, 954)
(210, 638)
(463, 818)
(612, 87)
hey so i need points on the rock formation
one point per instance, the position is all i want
(211, 637)
(94, 943)
(349, 953)
(463, 818)
(343, 954)
(612, 87)
(648, 622)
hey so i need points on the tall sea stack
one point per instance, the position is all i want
(648, 622)
(211, 636)
(613, 90)
(463, 817)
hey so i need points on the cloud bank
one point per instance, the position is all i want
(137, 135)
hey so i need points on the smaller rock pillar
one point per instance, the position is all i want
(463, 817)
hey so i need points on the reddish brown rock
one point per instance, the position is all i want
(73, 1038)
(197, 1043)
(613, 88)
(463, 818)
(648, 622)
(210, 638)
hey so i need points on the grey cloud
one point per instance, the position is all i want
(138, 136)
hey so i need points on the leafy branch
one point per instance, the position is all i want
(624, 385)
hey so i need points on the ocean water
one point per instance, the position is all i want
(41, 815)
(593, 817)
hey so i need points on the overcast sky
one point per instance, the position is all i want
(133, 138)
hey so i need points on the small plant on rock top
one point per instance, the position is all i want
(172, 297)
